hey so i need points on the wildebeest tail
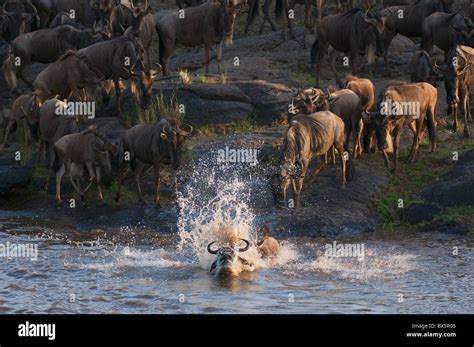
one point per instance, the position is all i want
(350, 169)
(57, 163)
(430, 120)
(314, 51)
(278, 8)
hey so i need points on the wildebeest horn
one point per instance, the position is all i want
(369, 20)
(246, 247)
(209, 249)
(4, 9)
(36, 12)
(185, 130)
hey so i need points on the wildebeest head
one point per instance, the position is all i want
(171, 140)
(381, 128)
(142, 85)
(460, 26)
(18, 19)
(231, 8)
(101, 30)
(457, 65)
(228, 261)
(305, 100)
(375, 26)
(138, 12)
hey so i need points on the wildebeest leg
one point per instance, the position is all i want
(321, 53)
(207, 56)
(251, 15)
(396, 145)
(92, 178)
(138, 172)
(157, 184)
(465, 109)
(332, 151)
(357, 139)
(416, 140)
(52, 155)
(266, 17)
(297, 187)
(98, 179)
(284, 189)
(332, 64)
(219, 56)
(59, 176)
(340, 148)
(8, 129)
(317, 169)
(122, 174)
(117, 97)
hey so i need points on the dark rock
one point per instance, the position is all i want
(13, 176)
(456, 187)
(448, 226)
(420, 212)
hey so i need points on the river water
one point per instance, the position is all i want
(398, 273)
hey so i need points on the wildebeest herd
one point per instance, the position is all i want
(95, 46)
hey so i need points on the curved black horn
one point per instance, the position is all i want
(246, 247)
(4, 9)
(209, 249)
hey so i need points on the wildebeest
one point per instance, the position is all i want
(153, 144)
(267, 246)
(143, 26)
(85, 12)
(116, 58)
(16, 18)
(228, 262)
(421, 68)
(76, 151)
(401, 106)
(352, 32)
(309, 137)
(458, 79)
(207, 24)
(444, 30)
(25, 112)
(53, 126)
(364, 88)
(407, 20)
(70, 74)
(139, 90)
(346, 104)
(121, 17)
(45, 46)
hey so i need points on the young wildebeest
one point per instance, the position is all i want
(346, 104)
(228, 262)
(444, 30)
(267, 246)
(393, 117)
(210, 23)
(46, 46)
(352, 32)
(53, 126)
(309, 137)
(407, 20)
(458, 79)
(421, 68)
(152, 144)
(68, 75)
(24, 111)
(75, 151)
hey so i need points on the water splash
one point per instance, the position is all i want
(215, 204)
